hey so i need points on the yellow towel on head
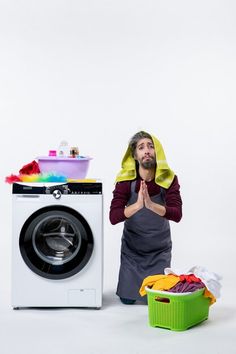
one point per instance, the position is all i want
(164, 175)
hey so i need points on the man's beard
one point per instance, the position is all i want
(148, 165)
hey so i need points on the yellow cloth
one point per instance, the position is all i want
(164, 175)
(208, 294)
(159, 282)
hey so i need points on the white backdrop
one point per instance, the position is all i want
(94, 73)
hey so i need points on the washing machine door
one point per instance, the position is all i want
(56, 242)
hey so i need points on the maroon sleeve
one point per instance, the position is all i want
(173, 202)
(121, 195)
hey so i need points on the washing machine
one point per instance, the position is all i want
(57, 244)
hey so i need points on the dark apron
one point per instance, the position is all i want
(145, 247)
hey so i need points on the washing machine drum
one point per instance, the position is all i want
(56, 244)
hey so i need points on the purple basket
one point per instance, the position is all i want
(75, 168)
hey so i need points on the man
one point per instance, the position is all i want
(146, 197)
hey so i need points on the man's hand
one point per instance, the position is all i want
(133, 208)
(140, 200)
(149, 204)
(146, 198)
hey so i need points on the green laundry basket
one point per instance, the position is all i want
(176, 311)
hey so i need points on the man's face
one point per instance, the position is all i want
(145, 153)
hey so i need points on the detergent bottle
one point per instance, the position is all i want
(63, 150)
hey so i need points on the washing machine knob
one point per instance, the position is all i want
(56, 194)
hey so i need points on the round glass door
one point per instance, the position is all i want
(56, 243)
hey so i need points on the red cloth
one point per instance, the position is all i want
(12, 179)
(30, 169)
(190, 278)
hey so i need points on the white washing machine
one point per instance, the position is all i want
(57, 245)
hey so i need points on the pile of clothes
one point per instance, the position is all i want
(31, 173)
(176, 281)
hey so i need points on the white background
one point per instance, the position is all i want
(96, 72)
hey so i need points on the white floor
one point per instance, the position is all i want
(115, 328)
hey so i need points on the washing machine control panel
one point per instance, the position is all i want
(85, 188)
(75, 188)
(57, 190)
